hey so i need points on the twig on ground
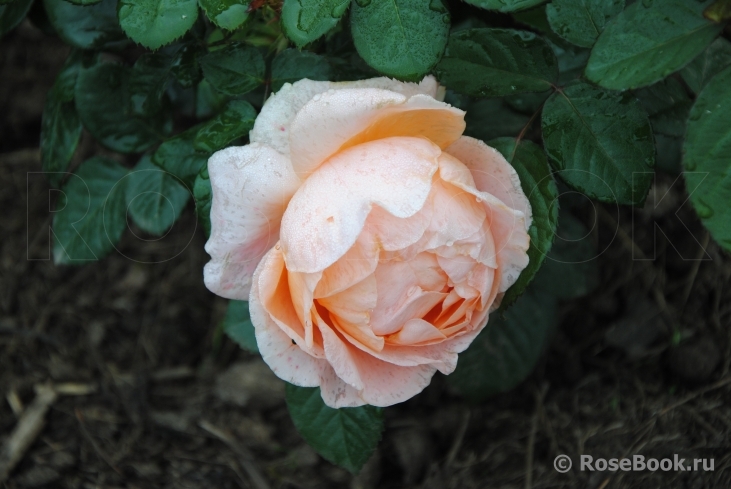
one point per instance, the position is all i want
(458, 439)
(245, 457)
(102, 455)
(28, 428)
(716, 385)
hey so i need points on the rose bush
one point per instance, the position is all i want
(370, 237)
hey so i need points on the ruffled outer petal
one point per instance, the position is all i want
(492, 173)
(339, 119)
(288, 360)
(328, 212)
(272, 125)
(251, 188)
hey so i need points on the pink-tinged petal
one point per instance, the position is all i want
(287, 360)
(272, 280)
(339, 119)
(506, 225)
(415, 303)
(336, 393)
(386, 384)
(394, 233)
(271, 127)
(350, 312)
(427, 86)
(492, 173)
(326, 215)
(355, 265)
(415, 332)
(301, 289)
(251, 188)
(339, 354)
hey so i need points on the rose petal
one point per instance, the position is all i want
(287, 360)
(339, 119)
(492, 173)
(251, 188)
(416, 331)
(272, 125)
(326, 215)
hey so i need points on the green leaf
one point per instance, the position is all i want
(238, 327)
(648, 41)
(155, 198)
(304, 21)
(226, 14)
(148, 81)
(185, 67)
(178, 156)
(492, 118)
(60, 125)
(291, 65)
(571, 268)
(497, 62)
(203, 194)
(507, 350)
(400, 38)
(345, 436)
(707, 162)
(711, 61)
(581, 21)
(90, 214)
(12, 14)
(86, 27)
(154, 23)
(234, 70)
(103, 103)
(538, 184)
(601, 143)
(84, 2)
(234, 122)
(505, 5)
(668, 105)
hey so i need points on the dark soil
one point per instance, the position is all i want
(641, 366)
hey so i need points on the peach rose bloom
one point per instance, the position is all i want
(369, 236)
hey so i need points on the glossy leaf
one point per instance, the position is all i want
(60, 125)
(178, 156)
(507, 350)
(571, 269)
(667, 104)
(12, 14)
(304, 21)
(84, 2)
(648, 41)
(345, 436)
(601, 143)
(497, 62)
(492, 118)
(291, 65)
(155, 198)
(90, 213)
(581, 21)
(400, 38)
(707, 157)
(154, 23)
(86, 27)
(148, 81)
(226, 14)
(102, 100)
(711, 61)
(538, 184)
(505, 5)
(203, 196)
(234, 70)
(238, 327)
(234, 122)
